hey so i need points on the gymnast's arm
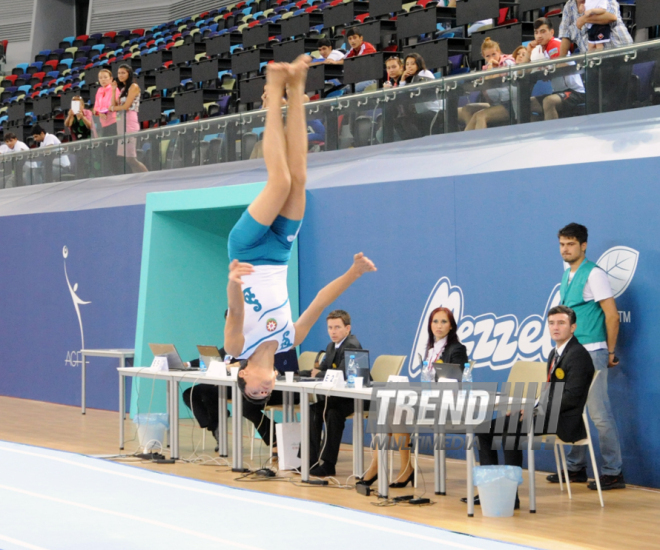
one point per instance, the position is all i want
(234, 339)
(329, 293)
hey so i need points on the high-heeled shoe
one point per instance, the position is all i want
(401, 484)
(367, 482)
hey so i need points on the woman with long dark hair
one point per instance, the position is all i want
(443, 344)
(127, 108)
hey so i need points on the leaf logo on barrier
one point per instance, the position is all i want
(499, 341)
(72, 356)
(620, 264)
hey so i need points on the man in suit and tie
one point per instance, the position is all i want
(333, 409)
(569, 362)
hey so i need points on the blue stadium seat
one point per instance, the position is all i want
(25, 89)
(69, 39)
(23, 66)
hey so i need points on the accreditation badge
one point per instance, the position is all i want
(559, 373)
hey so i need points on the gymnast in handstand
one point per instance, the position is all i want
(259, 322)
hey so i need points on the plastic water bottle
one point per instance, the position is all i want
(467, 374)
(351, 372)
(202, 365)
(428, 373)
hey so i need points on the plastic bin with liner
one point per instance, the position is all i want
(497, 489)
(151, 430)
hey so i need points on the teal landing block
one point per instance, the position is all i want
(183, 279)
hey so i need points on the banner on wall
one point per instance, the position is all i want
(73, 358)
(499, 341)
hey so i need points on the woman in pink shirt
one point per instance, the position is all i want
(102, 104)
(108, 119)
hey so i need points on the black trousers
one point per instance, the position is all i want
(488, 456)
(202, 400)
(336, 411)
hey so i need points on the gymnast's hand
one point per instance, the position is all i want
(362, 264)
(238, 270)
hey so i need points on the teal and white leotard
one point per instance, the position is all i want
(267, 309)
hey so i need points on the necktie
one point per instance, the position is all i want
(555, 358)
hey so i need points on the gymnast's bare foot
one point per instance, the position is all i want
(298, 73)
(277, 75)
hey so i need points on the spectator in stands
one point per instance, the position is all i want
(103, 102)
(45, 139)
(573, 28)
(420, 118)
(568, 91)
(394, 68)
(616, 76)
(520, 55)
(598, 35)
(80, 120)
(108, 119)
(13, 145)
(129, 103)
(497, 108)
(328, 54)
(359, 47)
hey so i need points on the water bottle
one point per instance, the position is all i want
(351, 372)
(202, 365)
(428, 373)
(467, 373)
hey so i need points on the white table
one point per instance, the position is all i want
(305, 389)
(121, 354)
(173, 379)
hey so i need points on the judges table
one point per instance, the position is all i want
(306, 390)
(173, 379)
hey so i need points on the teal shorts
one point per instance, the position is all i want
(257, 244)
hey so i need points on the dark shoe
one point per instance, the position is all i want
(367, 482)
(477, 502)
(609, 482)
(576, 477)
(216, 434)
(323, 470)
(401, 484)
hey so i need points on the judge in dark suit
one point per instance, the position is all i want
(334, 409)
(569, 363)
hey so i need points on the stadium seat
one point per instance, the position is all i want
(25, 89)
(80, 40)
(21, 68)
(42, 55)
(69, 53)
(67, 42)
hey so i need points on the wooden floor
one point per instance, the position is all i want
(629, 519)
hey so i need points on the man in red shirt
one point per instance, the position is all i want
(568, 91)
(357, 43)
(359, 47)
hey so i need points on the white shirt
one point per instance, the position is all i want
(335, 55)
(267, 311)
(597, 288)
(594, 5)
(435, 353)
(19, 146)
(338, 345)
(51, 140)
(569, 82)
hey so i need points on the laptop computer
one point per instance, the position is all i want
(209, 353)
(448, 372)
(173, 358)
(364, 366)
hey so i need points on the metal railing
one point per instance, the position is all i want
(615, 79)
